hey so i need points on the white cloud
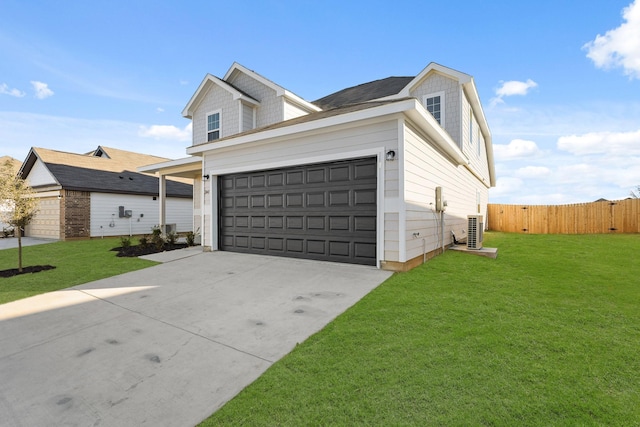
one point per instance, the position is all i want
(514, 87)
(511, 88)
(507, 186)
(160, 110)
(4, 89)
(615, 143)
(78, 135)
(166, 132)
(619, 47)
(533, 172)
(516, 149)
(41, 90)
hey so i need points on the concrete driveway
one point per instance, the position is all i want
(164, 346)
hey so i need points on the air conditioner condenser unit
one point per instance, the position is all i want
(475, 230)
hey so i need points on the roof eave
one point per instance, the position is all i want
(450, 72)
(410, 107)
(474, 99)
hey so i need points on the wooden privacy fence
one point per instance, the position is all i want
(620, 216)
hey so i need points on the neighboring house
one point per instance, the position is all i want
(101, 194)
(351, 177)
(16, 167)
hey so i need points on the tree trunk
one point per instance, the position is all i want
(19, 250)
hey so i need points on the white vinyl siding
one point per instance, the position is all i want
(216, 99)
(40, 175)
(145, 214)
(426, 169)
(436, 83)
(476, 152)
(271, 106)
(291, 111)
(248, 117)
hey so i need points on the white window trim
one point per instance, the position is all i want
(443, 104)
(206, 124)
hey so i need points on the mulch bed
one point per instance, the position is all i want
(139, 250)
(31, 269)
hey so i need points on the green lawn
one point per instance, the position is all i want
(547, 334)
(76, 262)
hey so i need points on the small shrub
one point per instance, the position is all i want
(191, 237)
(172, 238)
(144, 241)
(156, 238)
(125, 242)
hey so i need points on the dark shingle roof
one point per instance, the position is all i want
(126, 182)
(364, 92)
(317, 116)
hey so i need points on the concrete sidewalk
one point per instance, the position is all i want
(167, 345)
(12, 242)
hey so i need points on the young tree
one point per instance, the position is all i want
(636, 194)
(18, 203)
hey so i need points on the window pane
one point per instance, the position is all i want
(212, 136)
(213, 121)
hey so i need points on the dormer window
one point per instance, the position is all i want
(213, 126)
(435, 104)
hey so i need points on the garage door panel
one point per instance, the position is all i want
(324, 212)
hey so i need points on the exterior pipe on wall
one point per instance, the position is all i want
(442, 229)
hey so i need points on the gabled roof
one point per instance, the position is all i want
(208, 81)
(433, 67)
(105, 169)
(280, 91)
(225, 84)
(401, 87)
(364, 92)
(115, 160)
(124, 182)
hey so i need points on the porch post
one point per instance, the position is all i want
(162, 202)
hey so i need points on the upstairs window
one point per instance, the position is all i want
(213, 126)
(434, 103)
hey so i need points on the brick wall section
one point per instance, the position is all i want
(76, 215)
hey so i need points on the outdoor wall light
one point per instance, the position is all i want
(391, 155)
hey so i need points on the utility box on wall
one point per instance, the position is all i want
(441, 204)
(122, 213)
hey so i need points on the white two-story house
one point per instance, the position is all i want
(377, 174)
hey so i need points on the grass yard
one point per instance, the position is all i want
(547, 334)
(76, 262)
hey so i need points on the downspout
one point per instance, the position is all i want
(202, 211)
(442, 229)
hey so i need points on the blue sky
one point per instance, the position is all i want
(559, 80)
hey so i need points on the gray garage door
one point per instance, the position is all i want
(323, 212)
